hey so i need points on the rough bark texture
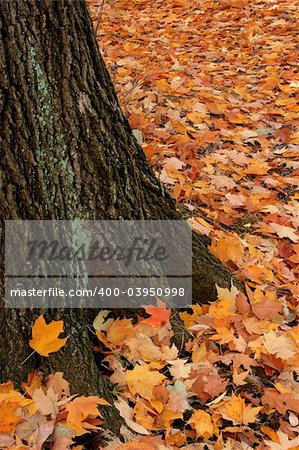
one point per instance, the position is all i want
(68, 152)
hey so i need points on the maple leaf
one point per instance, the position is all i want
(190, 319)
(224, 335)
(127, 414)
(59, 385)
(46, 403)
(145, 348)
(228, 247)
(40, 429)
(235, 409)
(79, 411)
(284, 232)
(200, 225)
(142, 415)
(159, 314)
(202, 423)
(236, 200)
(180, 369)
(281, 346)
(120, 330)
(34, 381)
(45, 336)
(8, 417)
(215, 385)
(222, 308)
(141, 380)
(118, 376)
(100, 323)
(208, 384)
(267, 308)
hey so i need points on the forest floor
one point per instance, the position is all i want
(210, 90)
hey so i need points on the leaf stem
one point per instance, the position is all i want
(27, 357)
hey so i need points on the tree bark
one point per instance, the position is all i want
(68, 152)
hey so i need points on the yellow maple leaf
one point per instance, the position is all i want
(142, 416)
(222, 308)
(199, 353)
(141, 380)
(169, 416)
(13, 396)
(202, 423)
(225, 306)
(235, 409)
(227, 247)
(190, 319)
(224, 335)
(119, 331)
(45, 336)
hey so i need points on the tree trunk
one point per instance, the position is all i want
(68, 152)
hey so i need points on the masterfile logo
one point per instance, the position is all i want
(128, 262)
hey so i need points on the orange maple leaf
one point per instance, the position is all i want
(34, 381)
(159, 314)
(8, 419)
(81, 409)
(45, 336)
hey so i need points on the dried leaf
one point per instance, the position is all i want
(45, 336)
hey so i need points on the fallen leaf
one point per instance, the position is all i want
(80, 409)
(46, 403)
(284, 442)
(45, 336)
(9, 416)
(160, 315)
(235, 409)
(284, 232)
(127, 414)
(141, 380)
(281, 346)
(202, 423)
